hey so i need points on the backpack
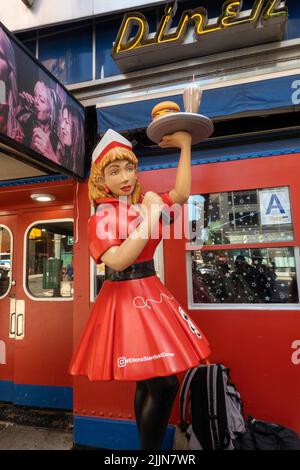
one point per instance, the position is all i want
(214, 407)
(261, 435)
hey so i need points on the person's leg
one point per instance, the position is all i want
(140, 396)
(156, 410)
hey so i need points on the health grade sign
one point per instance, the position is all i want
(275, 206)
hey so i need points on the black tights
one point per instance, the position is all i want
(153, 403)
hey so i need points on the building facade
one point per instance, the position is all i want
(242, 285)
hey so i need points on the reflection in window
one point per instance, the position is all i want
(5, 260)
(241, 217)
(252, 275)
(68, 55)
(50, 260)
(106, 34)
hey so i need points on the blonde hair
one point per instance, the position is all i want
(96, 187)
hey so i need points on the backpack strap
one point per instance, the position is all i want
(212, 374)
(184, 398)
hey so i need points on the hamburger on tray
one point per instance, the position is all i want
(163, 108)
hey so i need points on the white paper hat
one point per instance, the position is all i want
(110, 140)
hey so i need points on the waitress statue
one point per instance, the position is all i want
(136, 330)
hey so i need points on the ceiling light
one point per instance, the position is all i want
(42, 197)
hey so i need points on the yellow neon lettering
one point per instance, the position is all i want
(180, 28)
(235, 6)
(205, 31)
(164, 25)
(202, 23)
(200, 19)
(120, 47)
(228, 15)
(270, 10)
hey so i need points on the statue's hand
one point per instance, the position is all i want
(179, 139)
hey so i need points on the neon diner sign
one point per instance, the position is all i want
(134, 38)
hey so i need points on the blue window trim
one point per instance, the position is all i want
(34, 180)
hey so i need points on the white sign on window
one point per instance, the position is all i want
(275, 206)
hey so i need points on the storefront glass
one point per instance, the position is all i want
(5, 260)
(251, 275)
(68, 55)
(241, 217)
(226, 270)
(49, 266)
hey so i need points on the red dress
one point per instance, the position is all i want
(136, 329)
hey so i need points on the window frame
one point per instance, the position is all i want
(25, 250)
(89, 23)
(243, 306)
(12, 252)
(235, 211)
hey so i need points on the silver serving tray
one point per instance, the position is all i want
(200, 127)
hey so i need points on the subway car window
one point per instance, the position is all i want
(241, 217)
(49, 260)
(245, 276)
(5, 260)
(239, 273)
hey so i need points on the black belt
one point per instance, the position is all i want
(134, 271)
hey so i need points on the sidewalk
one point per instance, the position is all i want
(23, 428)
(18, 437)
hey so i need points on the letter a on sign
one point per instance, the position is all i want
(275, 206)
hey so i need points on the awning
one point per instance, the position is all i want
(278, 146)
(260, 96)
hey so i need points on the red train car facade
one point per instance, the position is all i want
(259, 344)
(241, 286)
(36, 329)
